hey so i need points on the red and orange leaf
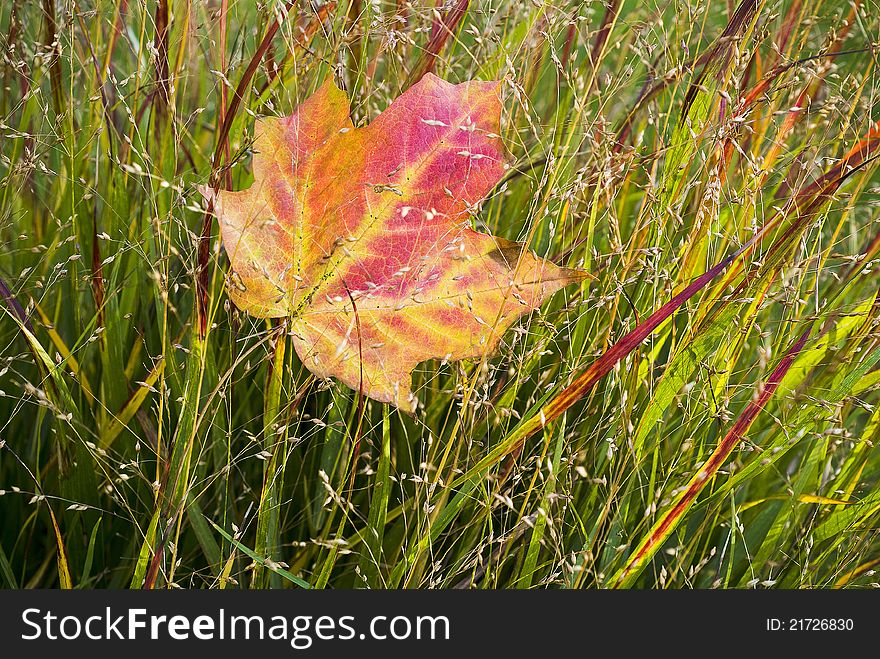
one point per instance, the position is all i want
(360, 236)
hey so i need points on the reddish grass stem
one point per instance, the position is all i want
(664, 527)
(229, 113)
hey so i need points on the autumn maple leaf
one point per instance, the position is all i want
(361, 237)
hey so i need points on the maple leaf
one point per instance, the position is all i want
(361, 237)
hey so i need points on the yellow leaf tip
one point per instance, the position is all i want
(577, 274)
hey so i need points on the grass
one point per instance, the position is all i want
(702, 414)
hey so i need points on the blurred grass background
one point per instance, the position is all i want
(712, 162)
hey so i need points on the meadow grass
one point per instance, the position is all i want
(701, 414)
